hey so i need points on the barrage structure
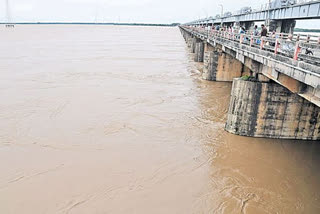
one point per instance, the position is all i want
(276, 78)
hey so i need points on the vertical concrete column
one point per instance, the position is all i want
(260, 109)
(248, 25)
(209, 62)
(287, 26)
(184, 34)
(275, 25)
(219, 66)
(199, 51)
(193, 44)
(228, 67)
(189, 41)
(282, 26)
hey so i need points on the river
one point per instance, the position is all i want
(106, 119)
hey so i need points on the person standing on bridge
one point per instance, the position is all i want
(264, 30)
(242, 30)
(255, 31)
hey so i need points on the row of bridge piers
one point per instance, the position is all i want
(259, 106)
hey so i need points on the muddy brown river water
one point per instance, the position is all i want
(102, 119)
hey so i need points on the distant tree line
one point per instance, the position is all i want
(90, 23)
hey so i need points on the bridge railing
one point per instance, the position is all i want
(297, 46)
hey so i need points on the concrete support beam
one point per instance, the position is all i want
(260, 109)
(282, 26)
(208, 62)
(193, 44)
(199, 51)
(254, 66)
(189, 42)
(227, 68)
(288, 26)
(248, 25)
(311, 94)
(275, 25)
(220, 66)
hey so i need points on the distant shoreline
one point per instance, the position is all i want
(90, 23)
(307, 30)
(127, 24)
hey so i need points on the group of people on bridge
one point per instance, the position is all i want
(241, 29)
(260, 37)
(256, 32)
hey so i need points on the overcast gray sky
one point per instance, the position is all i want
(147, 11)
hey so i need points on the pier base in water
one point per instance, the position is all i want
(261, 109)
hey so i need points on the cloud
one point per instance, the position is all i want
(117, 3)
(23, 7)
(149, 11)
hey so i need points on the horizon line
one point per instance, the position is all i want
(95, 23)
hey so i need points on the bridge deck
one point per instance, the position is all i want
(272, 52)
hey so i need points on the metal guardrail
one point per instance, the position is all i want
(297, 46)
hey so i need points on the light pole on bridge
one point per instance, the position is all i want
(221, 14)
(268, 17)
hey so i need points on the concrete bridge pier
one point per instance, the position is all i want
(199, 51)
(248, 25)
(185, 35)
(236, 24)
(282, 26)
(189, 41)
(209, 62)
(192, 44)
(266, 109)
(220, 66)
